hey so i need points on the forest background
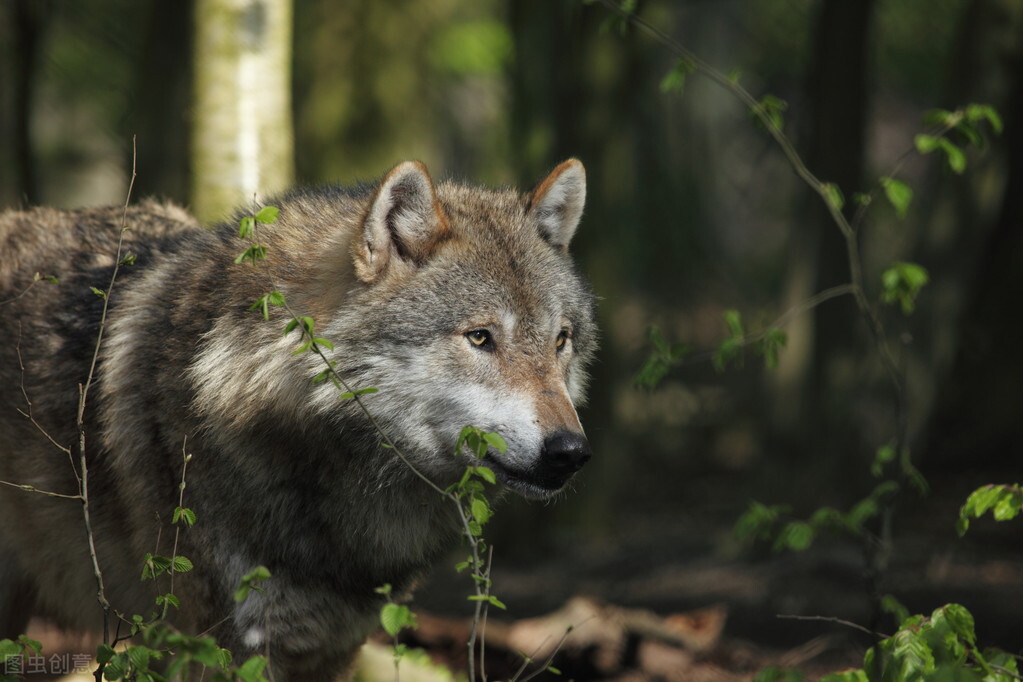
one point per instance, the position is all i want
(692, 210)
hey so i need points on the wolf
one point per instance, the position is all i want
(460, 304)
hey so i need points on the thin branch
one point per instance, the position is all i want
(185, 459)
(831, 619)
(36, 278)
(33, 489)
(83, 394)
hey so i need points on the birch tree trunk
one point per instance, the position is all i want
(242, 140)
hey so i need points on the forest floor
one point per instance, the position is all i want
(661, 600)
(656, 599)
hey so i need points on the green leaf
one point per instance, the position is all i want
(245, 227)
(104, 652)
(168, 599)
(481, 510)
(884, 455)
(182, 564)
(902, 283)
(770, 346)
(255, 252)
(769, 111)
(1004, 501)
(661, 360)
(796, 535)
(267, 214)
(953, 155)
(496, 441)
(899, 195)
(734, 321)
(925, 144)
(846, 676)
(359, 391)
(185, 515)
(98, 292)
(252, 669)
(326, 343)
(961, 622)
(395, 617)
(486, 474)
(675, 79)
(977, 112)
(250, 581)
(139, 657)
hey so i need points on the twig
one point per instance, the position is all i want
(832, 619)
(185, 458)
(83, 394)
(33, 489)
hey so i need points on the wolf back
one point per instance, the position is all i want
(460, 304)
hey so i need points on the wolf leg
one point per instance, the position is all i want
(17, 594)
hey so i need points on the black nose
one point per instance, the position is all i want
(566, 451)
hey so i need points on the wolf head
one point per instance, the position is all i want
(466, 310)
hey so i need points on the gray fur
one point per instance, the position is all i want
(283, 472)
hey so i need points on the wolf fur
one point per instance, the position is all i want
(459, 303)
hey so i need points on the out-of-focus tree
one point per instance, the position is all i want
(242, 140)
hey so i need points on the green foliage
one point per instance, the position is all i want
(396, 617)
(184, 515)
(13, 654)
(251, 581)
(479, 441)
(901, 283)
(154, 565)
(617, 22)
(775, 674)
(675, 80)
(770, 345)
(310, 342)
(662, 359)
(937, 648)
(762, 523)
(1003, 501)
(768, 111)
(254, 253)
(730, 350)
(899, 195)
(966, 124)
(477, 48)
(161, 642)
(263, 303)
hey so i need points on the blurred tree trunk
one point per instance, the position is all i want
(162, 97)
(23, 23)
(812, 404)
(242, 140)
(976, 422)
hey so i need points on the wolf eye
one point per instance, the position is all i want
(562, 339)
(480, 338)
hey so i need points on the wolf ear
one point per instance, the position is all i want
(556, 204)
(404, 221)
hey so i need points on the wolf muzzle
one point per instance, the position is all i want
(564, 453)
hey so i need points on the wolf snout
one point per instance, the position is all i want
(565, 452)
